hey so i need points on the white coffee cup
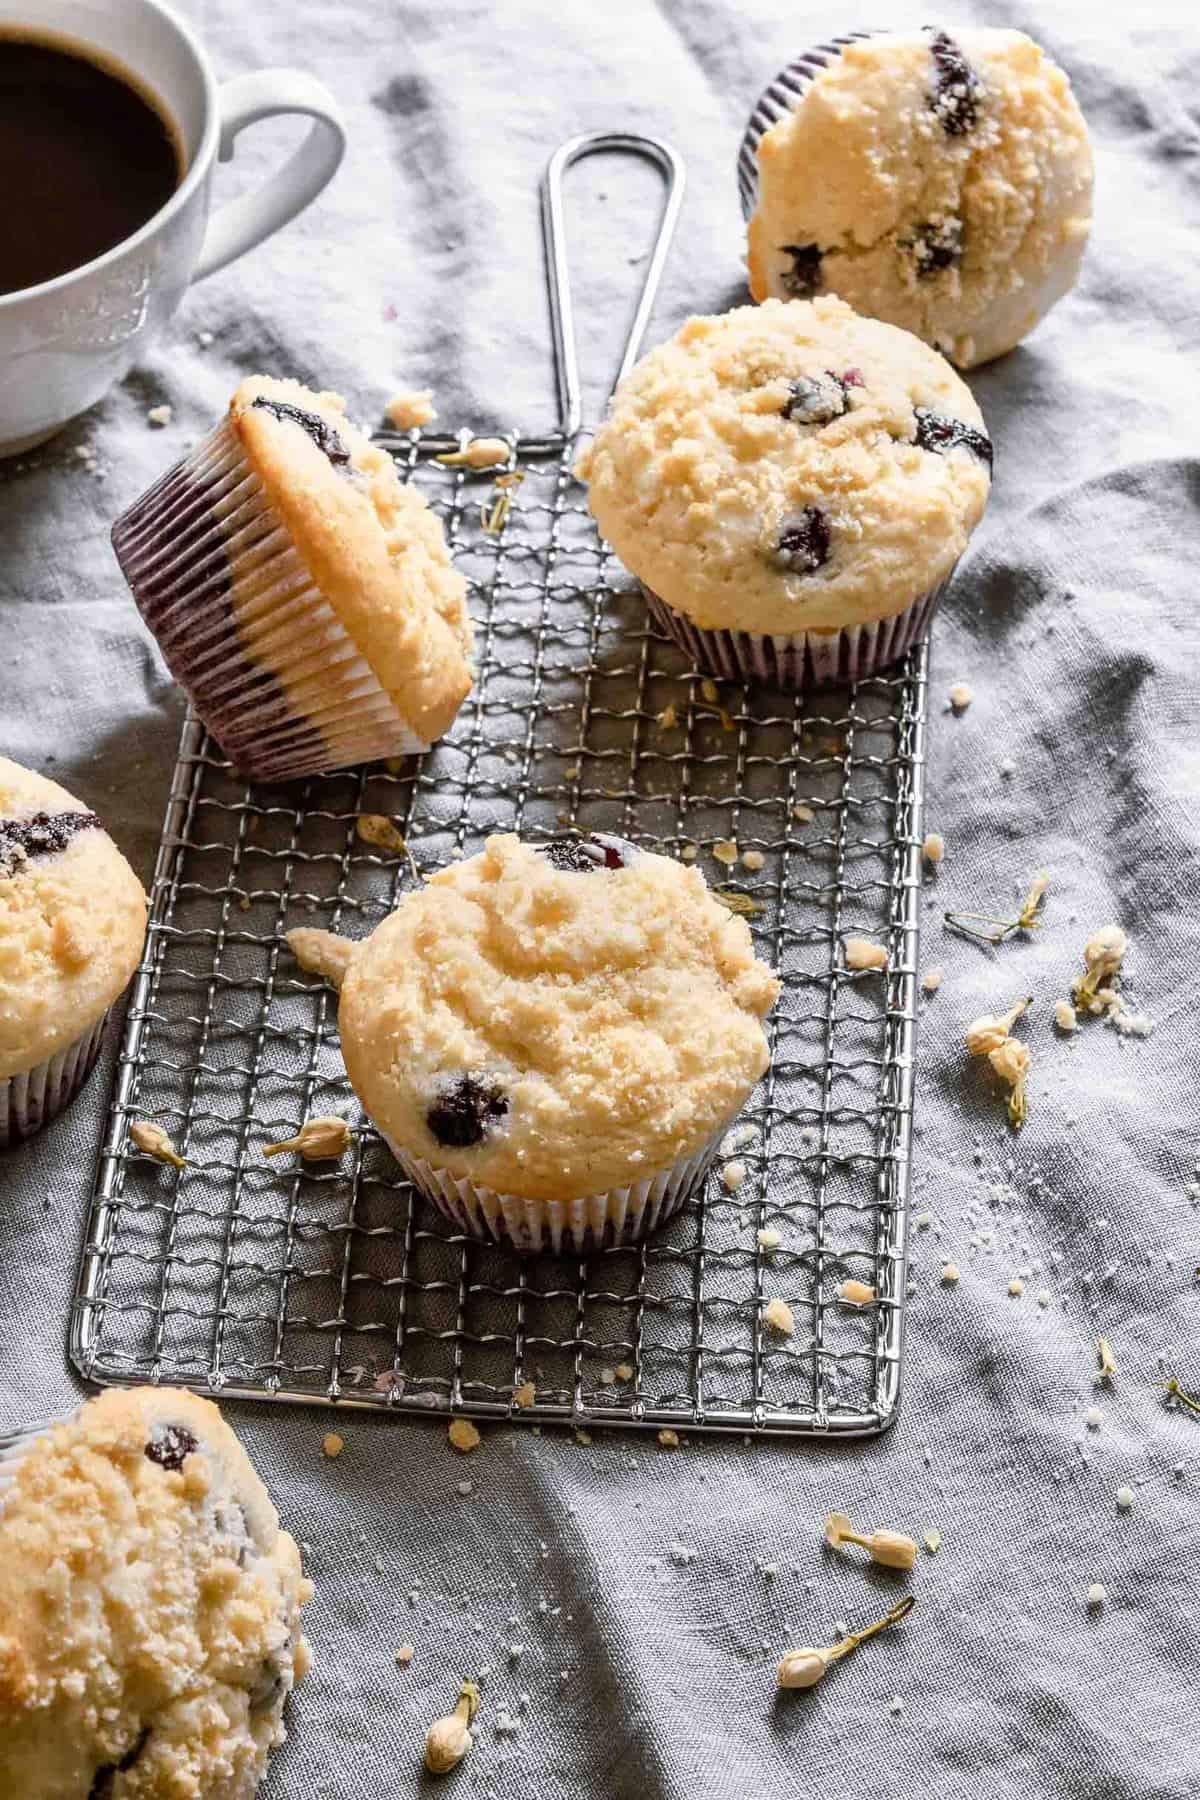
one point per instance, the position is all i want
(64, 342)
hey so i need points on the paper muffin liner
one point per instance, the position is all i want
(777, 100)
(273, 673)
(801, 659)
(33, 1097)
(622, 1215)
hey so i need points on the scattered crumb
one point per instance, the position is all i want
(861, 953)
(1065, 1016)
(525, 1395)
(409, 410)
(689, 853)
(382, 832)
(404, 1655)
(769, 1239)
(753, 860)
(682, 1555)
(734, 1140)
(160, 415)
(778, 1315)
(668, 1439)
(607, 1377)
(960, 696)
(668, 718)
(895, 1706)
(950, 1274)
(931, 981)
(321, 953)
(463, 1436)
(1093, 1418)
(582, 1436)
(855, 1293)
(933, 1540)
(1125, 1498)
(733, 1174)
(204, 339)
(934, 847)
(1044, 1297)
(1108, 1365)
(466, 1489)
(624, 1371)
(154, 1141)
(332, 1445)
(709, 690)
(803, 815)
(1016, 1287)
(1097, 1594)
(726, 852)
(924, 1220)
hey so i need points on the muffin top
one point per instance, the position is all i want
(556, 1021)
(149, 1607)
(941, 183)
(789, 467)
(72, 919)
(370, 542)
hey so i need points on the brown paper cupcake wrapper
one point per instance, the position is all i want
(621, 1216)
(35, 1096)
(803, 659)
(776, 101)
(270, 669)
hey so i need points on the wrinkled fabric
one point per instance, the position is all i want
(650, 1674)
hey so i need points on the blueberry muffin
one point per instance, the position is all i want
(302, 594)
(553, 1038)
(72, 923)
(149, 1607)
(793, 485)
(941, 183)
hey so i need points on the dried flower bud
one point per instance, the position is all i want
(155, 1142)
(802, 1668)
(448, 1740)
(990, 1030)
(1108, 1364)
(1011, 1060)
(855, 1293)
(890, 1548)
(318, 1140)
(480, 453)
(861, 953)
(1102, 955)
(1064, 1015)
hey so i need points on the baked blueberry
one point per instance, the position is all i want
(938, 245)
(818, 399)
(466, 1111)
(956, 87)
(171, 1446)
(803, 544)
(42, 834)
(319, 430)
(584, 855)
(803, 279)
(936, 432)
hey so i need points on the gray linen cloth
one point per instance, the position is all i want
(1074, 620)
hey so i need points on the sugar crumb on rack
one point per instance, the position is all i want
(411, 409)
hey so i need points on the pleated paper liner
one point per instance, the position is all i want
(801, 659)
(270, 669)
(622, 1215)
(777, 100)
(32, 1098)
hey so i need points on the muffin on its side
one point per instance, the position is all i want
(941, 183)
(149, 1607)
(302, 594)
(72, 923)
(554, 1038)
(793, 485)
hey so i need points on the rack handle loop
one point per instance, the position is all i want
(669, 163)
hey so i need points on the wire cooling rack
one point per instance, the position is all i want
(319, 1282)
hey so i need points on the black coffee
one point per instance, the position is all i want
(86, 158)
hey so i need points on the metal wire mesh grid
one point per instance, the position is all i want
(323, 1282)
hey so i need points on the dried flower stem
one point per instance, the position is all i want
(1180, 1395)
(804, 1667)
(1028, 919)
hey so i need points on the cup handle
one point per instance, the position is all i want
(244, 222)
